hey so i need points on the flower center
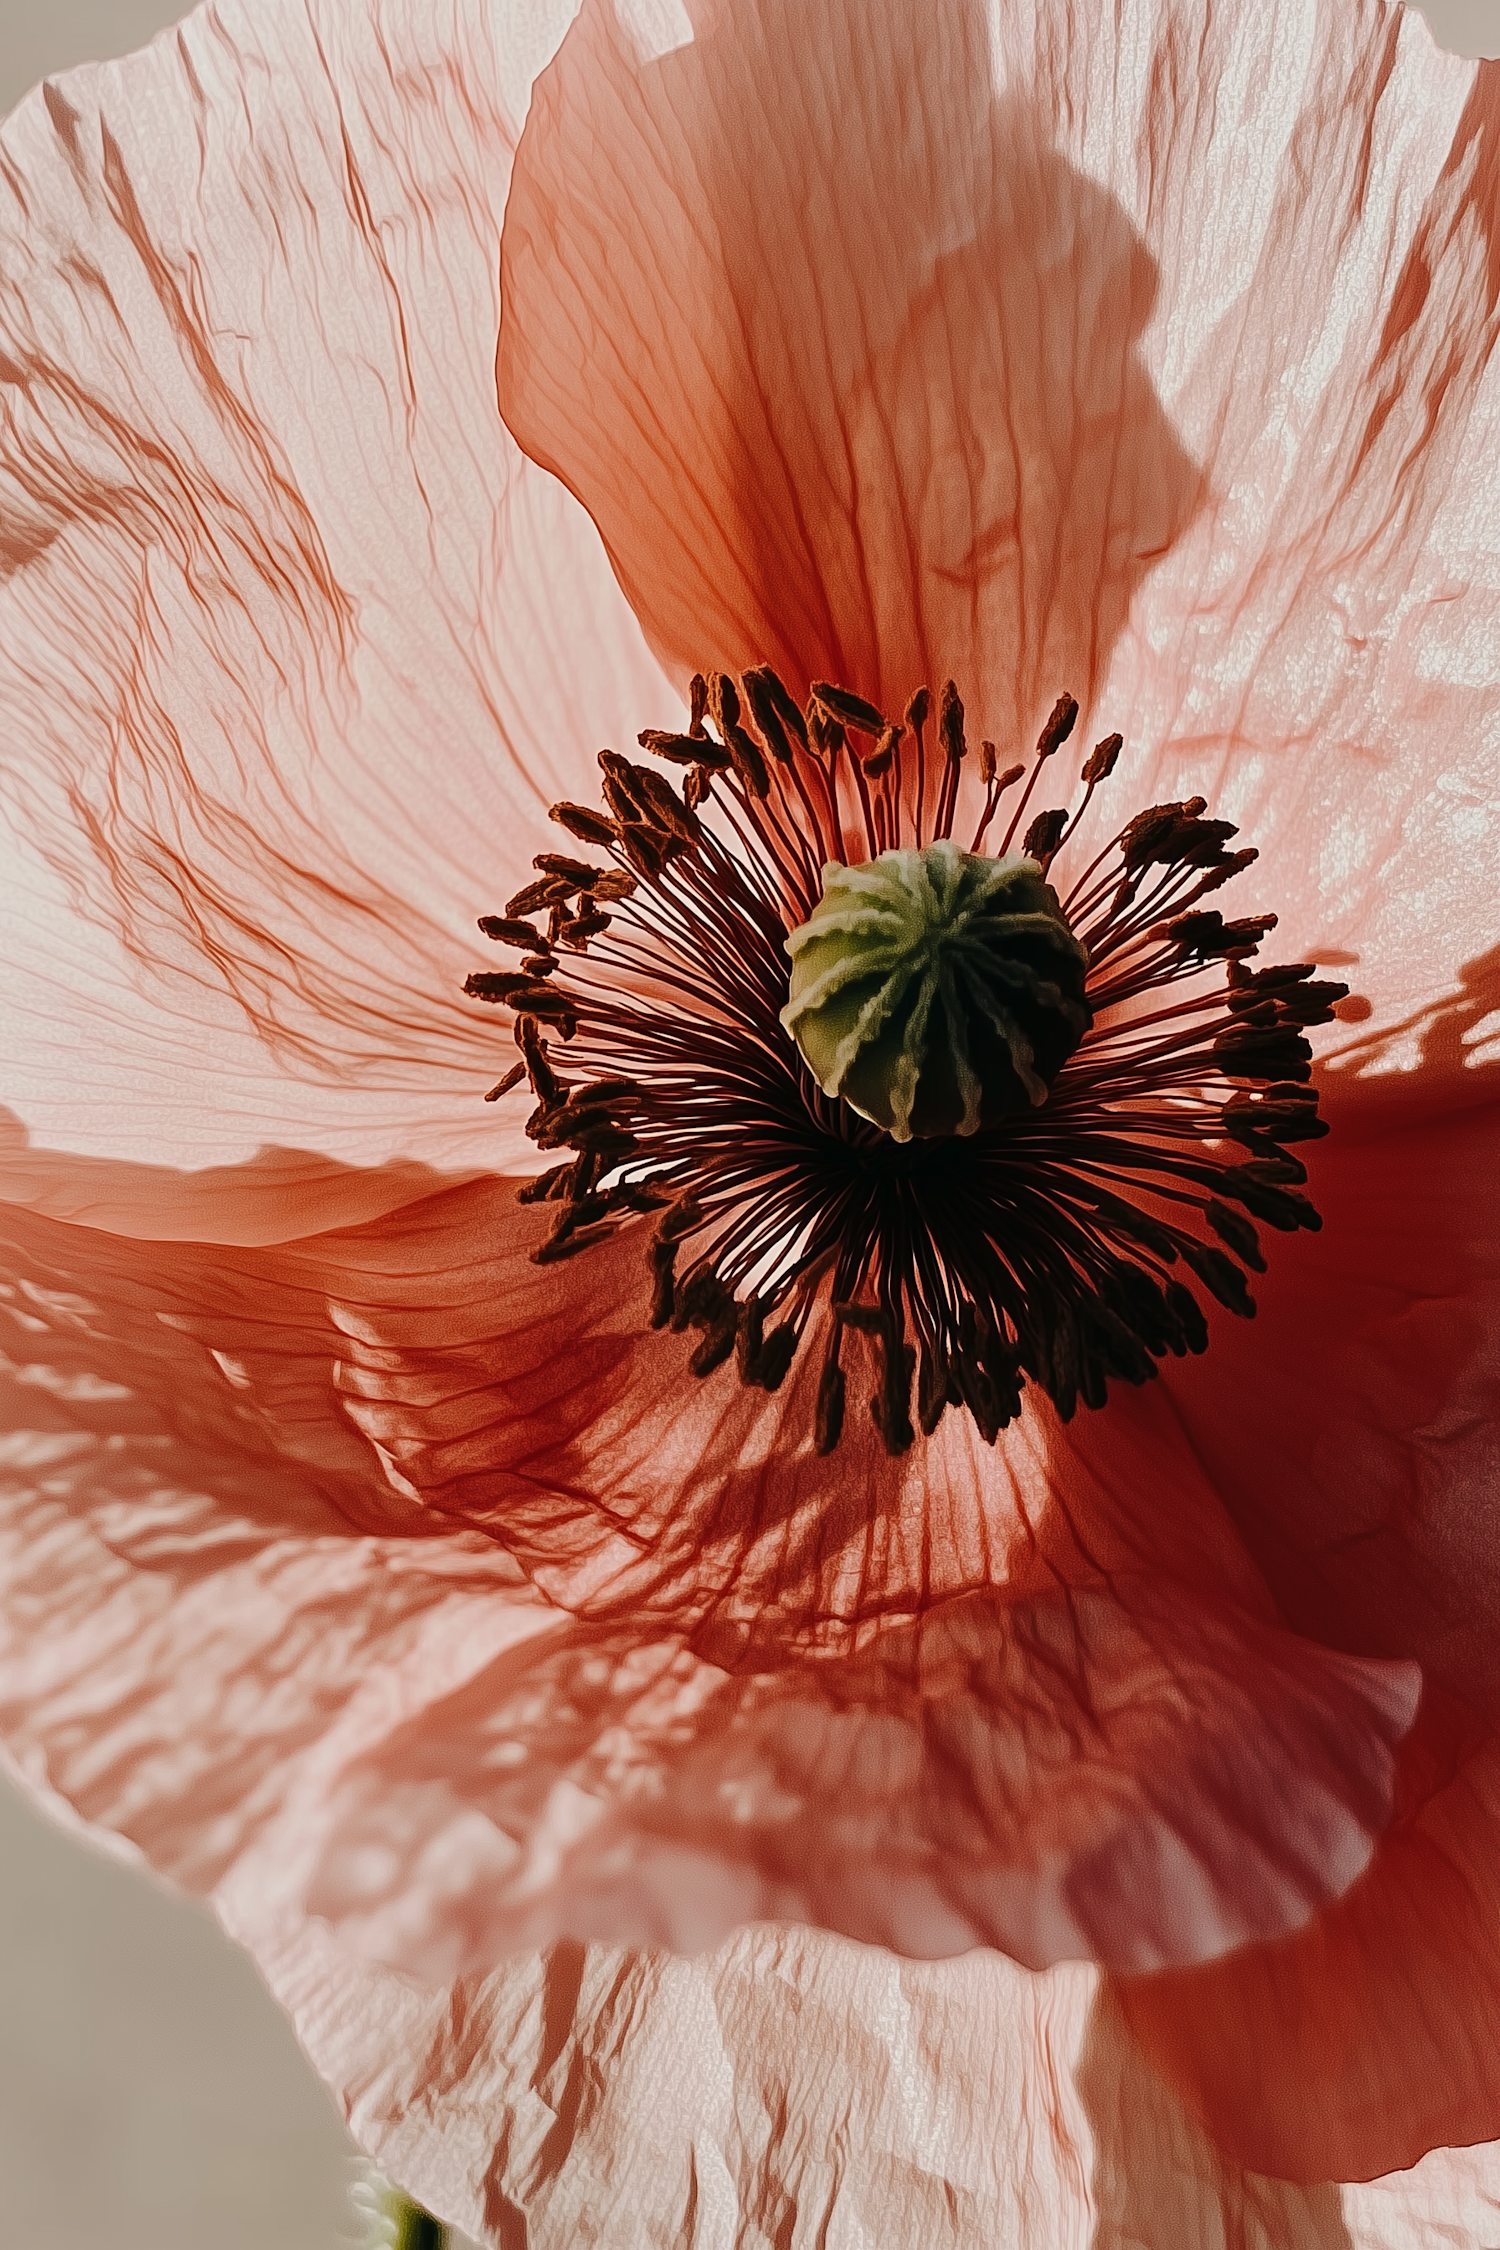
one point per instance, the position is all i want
(936, 990)
(978, 1132)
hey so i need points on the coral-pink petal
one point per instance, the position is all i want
(791, 2081)
(1365, 1487)
(844, 360)
(1057, 1717)
(1366, 1484)
(296, 648)
(1130, 1778)
(1141, 352)
(203, 1569)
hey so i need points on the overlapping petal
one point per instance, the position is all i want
(1053, 1744)
(1140, 352)
(363, 1569)
(298, 649)
(831, 2088)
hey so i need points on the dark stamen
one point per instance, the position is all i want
(1046, 1248)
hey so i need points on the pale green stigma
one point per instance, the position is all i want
(936, 991)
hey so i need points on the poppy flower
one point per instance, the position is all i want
(751, 1633)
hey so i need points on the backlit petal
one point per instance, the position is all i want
(1052, 1715)
(296, 648)
(1142, 352)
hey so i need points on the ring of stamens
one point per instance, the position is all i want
(1050, 1248)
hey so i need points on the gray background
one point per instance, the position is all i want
(151, 2094)
(37, 36)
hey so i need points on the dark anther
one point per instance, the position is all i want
(593, 1090)
(513, 987)
(546, 1186)
(883, 755)
(1279, 1113)
(578, 874)
(1134, 1299)
(522, 934)
(630, 789)
(1045, 834)
(1205, 935)
(717, 1344)
(775, 714)
(558, 1246)
(685, 749)
(544, 1001)
(706, 1302)
(1189, 1314)
(664, 805)
(589, 827)
(1061, 724)
(951, 724)
(850, 710)
(567, 1127)
(684, 1217)
(1101, 760)
(763, 1359)
(825, 736)
(549, 892)
(1235, 1229)
(1156, 833)
(586, 1176)
(700, 1300)
(1277, 1206)
(576, 934)
(744, 751)
(619, 796)
(1043, 1246)
(1221, 1277)
(645, 846)
(723, 701)
(777, 1354)
(1255, 1050)
(1299, 999)
(545, 1083)
(610, 1142)
(750, 1340)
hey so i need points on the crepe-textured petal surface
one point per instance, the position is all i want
(413, 1599)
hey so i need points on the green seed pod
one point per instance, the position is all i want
(936, 991)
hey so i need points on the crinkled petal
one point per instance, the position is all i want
(285, 1514)
(791, 2086)
(296, 648)
(201, 1577)
(1091, 1779)
(1365, 1486)
(1056, 1721)
(1141, 352)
